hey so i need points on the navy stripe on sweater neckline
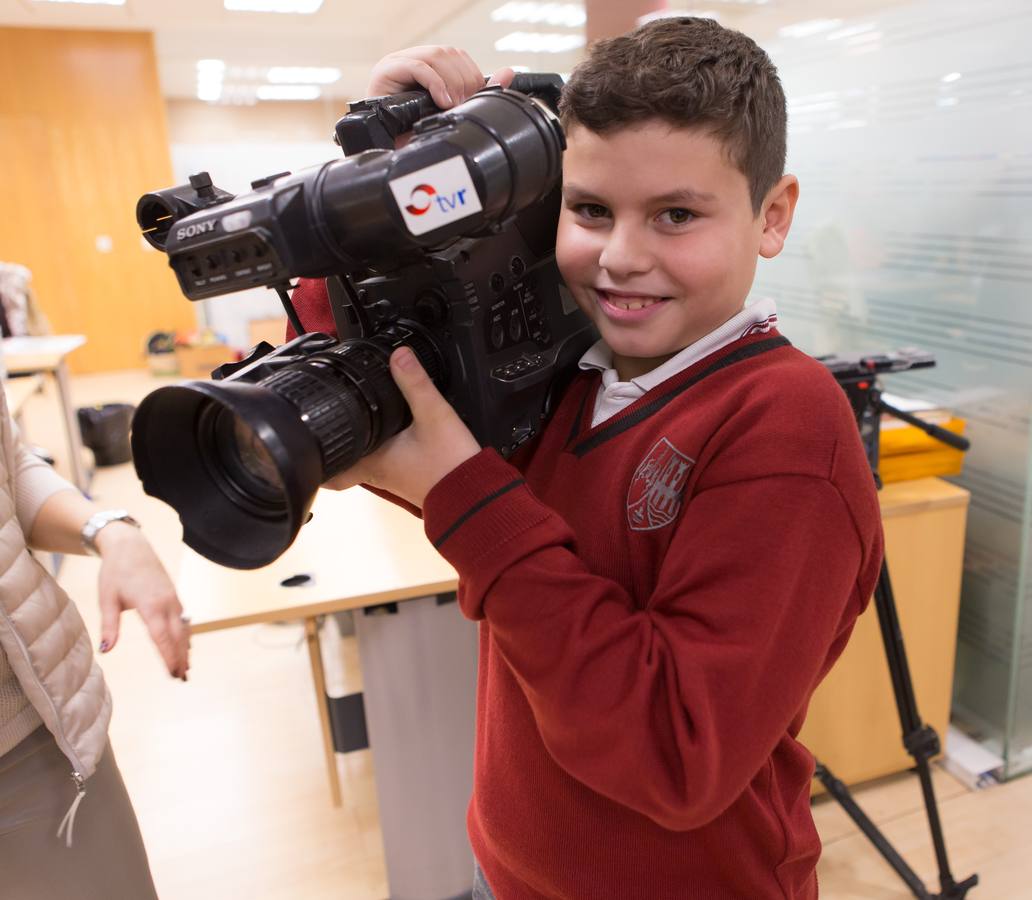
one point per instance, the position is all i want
(619, 425)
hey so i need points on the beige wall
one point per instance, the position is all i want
(82, 136)
(197, 122)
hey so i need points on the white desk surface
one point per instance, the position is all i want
(38, 353)
(360, 551)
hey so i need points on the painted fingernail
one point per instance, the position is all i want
(104, 646)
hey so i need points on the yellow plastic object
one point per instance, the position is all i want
(907, 452)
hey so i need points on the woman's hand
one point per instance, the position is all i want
(449, 74)
(132, 577)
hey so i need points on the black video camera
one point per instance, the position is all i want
(446, 246)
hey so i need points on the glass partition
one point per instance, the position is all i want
(911, 133)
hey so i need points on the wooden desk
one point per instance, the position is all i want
(853, 725)
(360, 551)
(46, 355)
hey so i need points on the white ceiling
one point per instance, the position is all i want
(353, 34)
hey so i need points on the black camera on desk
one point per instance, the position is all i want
(445, 246)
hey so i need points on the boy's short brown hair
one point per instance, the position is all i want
(689, 72)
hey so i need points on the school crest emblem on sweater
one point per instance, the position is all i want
(657, 488)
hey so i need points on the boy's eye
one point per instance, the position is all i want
(591, 210)
(678, 216)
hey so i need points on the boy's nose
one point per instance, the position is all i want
(624, 253)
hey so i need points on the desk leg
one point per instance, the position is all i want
(319, 680)
(64, 395)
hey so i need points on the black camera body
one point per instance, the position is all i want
(489, 318)
(500, 316)
(446, 246)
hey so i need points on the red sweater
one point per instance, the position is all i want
(659, 596)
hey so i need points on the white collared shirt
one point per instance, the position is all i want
(614, 395)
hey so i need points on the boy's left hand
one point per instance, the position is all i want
(414, 460)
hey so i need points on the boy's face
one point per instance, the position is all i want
(657, 237)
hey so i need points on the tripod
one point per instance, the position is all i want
(858, 378)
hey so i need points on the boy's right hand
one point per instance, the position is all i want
(449, 74)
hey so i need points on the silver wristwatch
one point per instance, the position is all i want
(97, 521)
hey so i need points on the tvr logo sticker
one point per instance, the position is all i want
(424, 196)
(420, 193)
(657, 488)
(436, 195)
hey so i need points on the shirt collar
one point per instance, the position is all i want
(760, 316)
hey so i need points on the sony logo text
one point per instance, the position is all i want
(193, 230)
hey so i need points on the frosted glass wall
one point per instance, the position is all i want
(911, 133)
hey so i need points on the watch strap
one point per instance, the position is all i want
(96, 522)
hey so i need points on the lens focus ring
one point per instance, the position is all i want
(339, 421)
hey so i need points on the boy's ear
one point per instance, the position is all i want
(778, 208)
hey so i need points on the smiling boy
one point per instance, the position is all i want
(664, 576)
(658, 239)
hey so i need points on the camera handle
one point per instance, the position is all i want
(376, 122)
(919, 739)
(349, 316)
(288, 308)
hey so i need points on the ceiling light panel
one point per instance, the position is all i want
(570, 15)
(539, 42)
(288, 92)
(210, 74)
(298, 7)
(852, 31)
(87, 2)
(303, 75)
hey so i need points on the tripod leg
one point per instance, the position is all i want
(841, 793)
(920, 740)
(921, 743)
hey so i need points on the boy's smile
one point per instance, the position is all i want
(657, 237)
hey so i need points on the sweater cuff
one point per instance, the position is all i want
(473, 514)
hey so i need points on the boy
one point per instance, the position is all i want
(666, 574)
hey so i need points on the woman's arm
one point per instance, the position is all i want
(131, 575)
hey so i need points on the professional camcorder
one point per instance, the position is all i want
(446, 246)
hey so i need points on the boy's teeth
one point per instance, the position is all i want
(630, 304)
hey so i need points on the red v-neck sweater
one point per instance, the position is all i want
(658, 598)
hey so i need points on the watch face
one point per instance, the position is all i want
(97, 521)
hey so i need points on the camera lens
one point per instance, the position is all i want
(241, 462)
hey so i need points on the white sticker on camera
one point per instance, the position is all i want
(436, 196)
